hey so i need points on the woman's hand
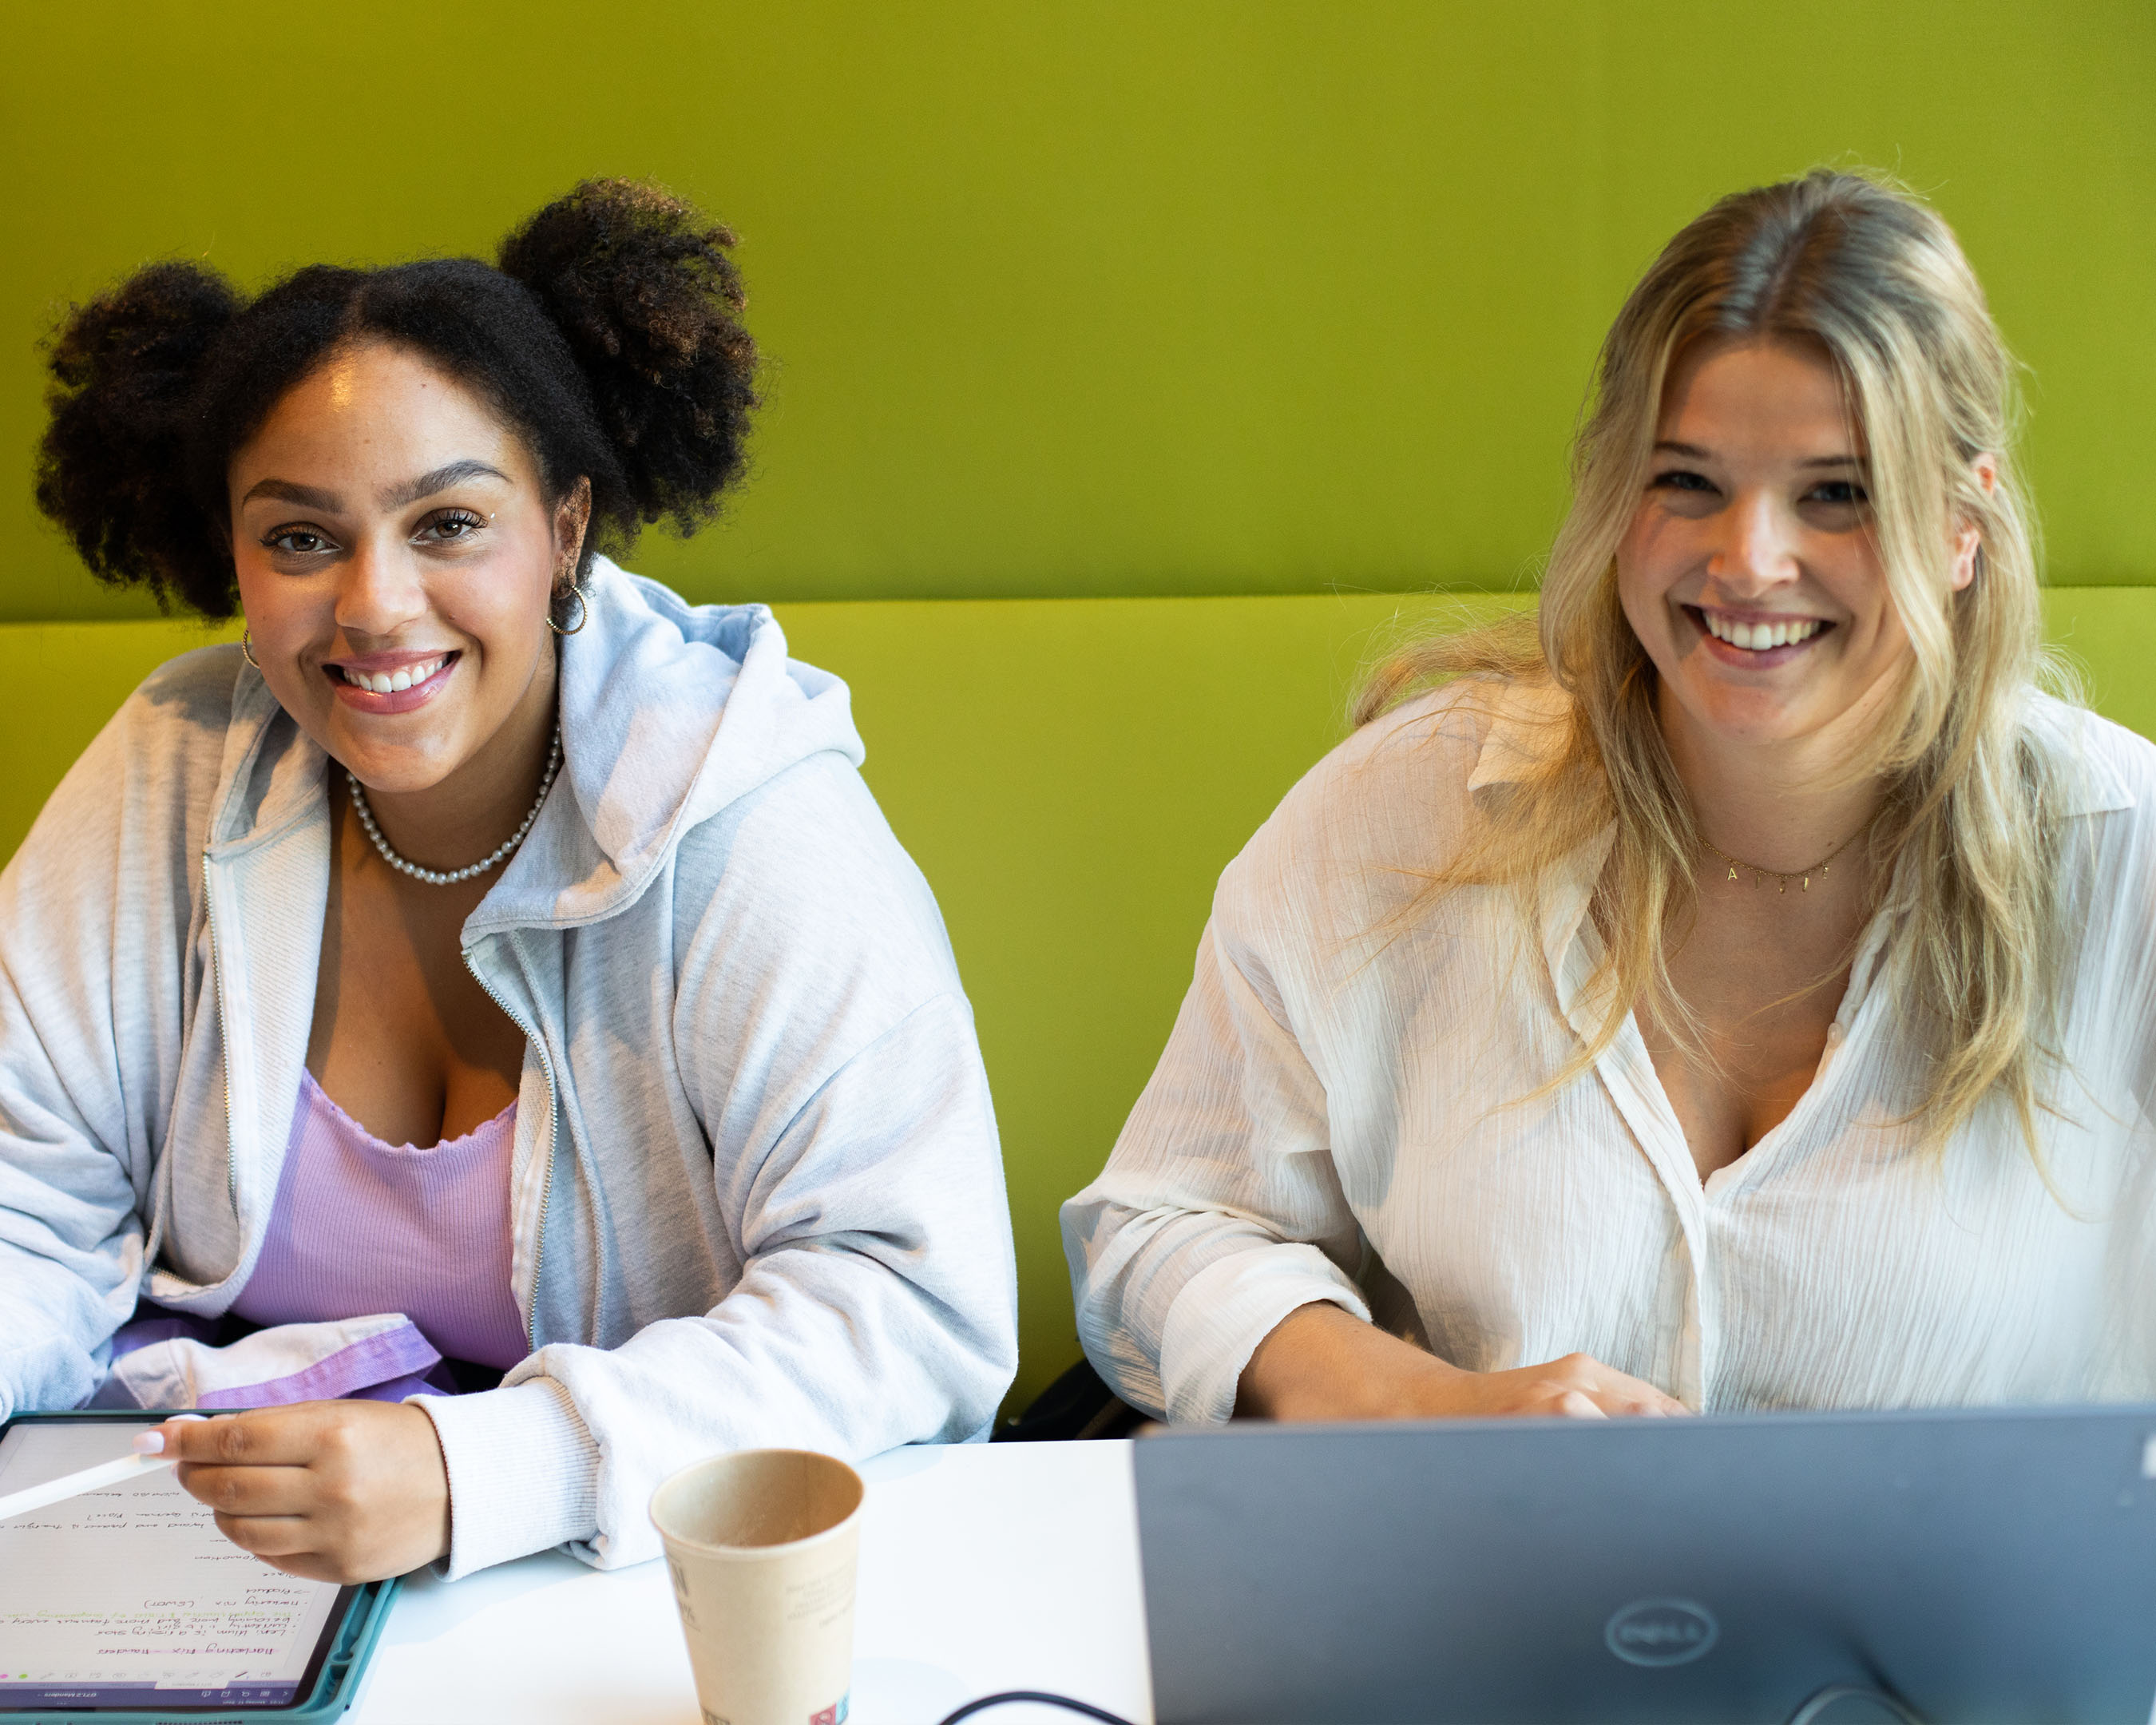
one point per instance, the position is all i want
(342, 1492)
(1323, 1362)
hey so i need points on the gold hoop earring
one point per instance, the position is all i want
(583, 612)
(247, 648)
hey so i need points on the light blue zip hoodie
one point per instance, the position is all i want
(756, 1197)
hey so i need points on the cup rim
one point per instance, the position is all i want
(754, 1553)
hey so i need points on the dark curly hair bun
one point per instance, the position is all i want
(609, 337)
(641, 285)
(123, 369)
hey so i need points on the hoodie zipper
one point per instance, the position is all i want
(545, 1067)
(546, 1179)
(224, 1026)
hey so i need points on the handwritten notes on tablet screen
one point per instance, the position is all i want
(130, 1596)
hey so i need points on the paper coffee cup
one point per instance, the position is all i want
(761, 1545)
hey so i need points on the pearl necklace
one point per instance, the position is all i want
(438, 877)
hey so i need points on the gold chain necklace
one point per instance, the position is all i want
(1804, 876)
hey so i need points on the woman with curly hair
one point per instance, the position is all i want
(1731, 989)
(492, 975)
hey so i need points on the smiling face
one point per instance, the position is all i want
(1750, 571)
(397, 554)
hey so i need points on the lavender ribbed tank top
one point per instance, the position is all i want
(361, 1227)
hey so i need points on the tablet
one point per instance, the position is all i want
(127, 1602)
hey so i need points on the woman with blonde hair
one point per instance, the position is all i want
(1730, 992)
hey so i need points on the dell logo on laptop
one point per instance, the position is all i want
(1661, 1632)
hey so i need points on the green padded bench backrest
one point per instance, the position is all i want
(1071, 775)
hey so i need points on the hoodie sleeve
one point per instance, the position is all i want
(829, 1054)
(71, 1241)
(95, 910)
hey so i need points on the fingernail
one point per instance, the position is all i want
(149, 1443)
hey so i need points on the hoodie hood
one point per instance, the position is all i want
(670, 712)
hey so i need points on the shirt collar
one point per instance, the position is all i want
(1529, 727)
(2091, 783)
(1528, 730)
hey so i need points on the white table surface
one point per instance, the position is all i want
(984, 1566)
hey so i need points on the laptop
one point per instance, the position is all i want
(1959, 1567)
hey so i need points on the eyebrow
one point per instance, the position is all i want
(1693, 452)
(440, 479)
(285, 491)
(397, 497)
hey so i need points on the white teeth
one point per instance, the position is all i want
(390, 682)
(1759, 637)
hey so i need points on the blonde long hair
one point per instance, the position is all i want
(1868, 272)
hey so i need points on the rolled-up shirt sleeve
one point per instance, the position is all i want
(1220, 1211)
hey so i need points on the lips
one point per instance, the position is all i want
(391, 682)
(394, 682)
(1749, 639)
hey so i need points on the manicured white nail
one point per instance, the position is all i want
(149, 1443)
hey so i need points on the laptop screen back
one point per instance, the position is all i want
(1979, 1565)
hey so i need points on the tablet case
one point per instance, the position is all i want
(336, 1685)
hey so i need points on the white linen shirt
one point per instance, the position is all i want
(1342, 1115)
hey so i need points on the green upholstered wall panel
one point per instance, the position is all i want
(1219, 296)
(1071, 775)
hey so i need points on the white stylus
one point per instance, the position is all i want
(90, 1479)
(74, 1485)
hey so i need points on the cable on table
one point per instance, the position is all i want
(1044, 1698)
(1812, 1709)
